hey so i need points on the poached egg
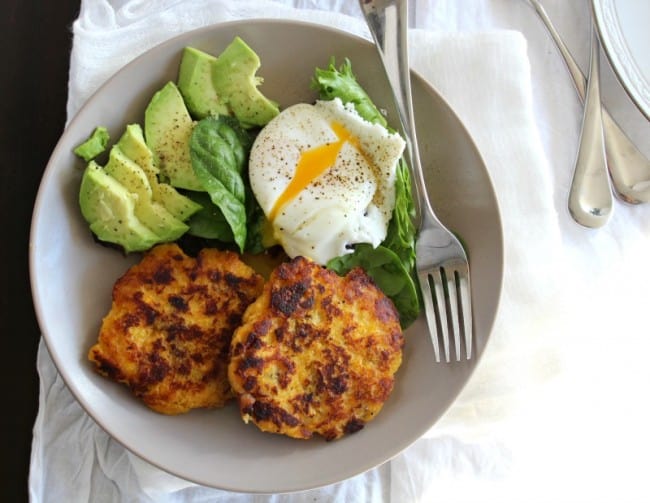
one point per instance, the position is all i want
(325, 179)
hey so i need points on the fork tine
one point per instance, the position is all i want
(466, 308)
(429, 309)
(441, 311)
(452, 306)
(447, 303)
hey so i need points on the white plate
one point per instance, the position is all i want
(623, 26)
(72, 276)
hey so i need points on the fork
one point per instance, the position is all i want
(441, 262)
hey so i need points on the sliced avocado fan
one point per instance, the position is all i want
(125, 204)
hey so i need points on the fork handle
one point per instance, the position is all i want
(578, 77)
(388, 24)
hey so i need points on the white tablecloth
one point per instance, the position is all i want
(556, 411)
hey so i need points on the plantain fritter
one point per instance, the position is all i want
(316, 353)
(167, 335)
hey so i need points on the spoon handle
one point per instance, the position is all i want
(628, 167)
(590, 198)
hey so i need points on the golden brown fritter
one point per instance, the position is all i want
(167, 335)
(316, 353)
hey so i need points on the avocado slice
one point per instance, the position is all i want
(94, 145)
(235, 81)
(167, 130)
(177, 204)
(133, 145)
(195, 84)
(149, 212)
(109, 208)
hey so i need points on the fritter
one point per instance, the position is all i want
(167, 335)
(316, 353)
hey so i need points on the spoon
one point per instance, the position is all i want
(590, 198)
(628, 167)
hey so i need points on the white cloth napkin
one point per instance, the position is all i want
(558, 400)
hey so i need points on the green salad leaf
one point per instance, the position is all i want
(256, 222)
(401, 231)
(209, 222)
(392, 264)
(219, 149)
(390, 274)
(341, 83)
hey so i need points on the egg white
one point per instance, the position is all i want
(351, 201)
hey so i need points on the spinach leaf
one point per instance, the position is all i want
(256, 224)
(388, 272)
(219, 150)
(208, 222)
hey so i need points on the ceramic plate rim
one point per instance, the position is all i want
(613, 39)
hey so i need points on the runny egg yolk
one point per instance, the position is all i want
(313, 163)
(325, 179)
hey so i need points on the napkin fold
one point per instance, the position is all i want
(485, 76)
(482, 441)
